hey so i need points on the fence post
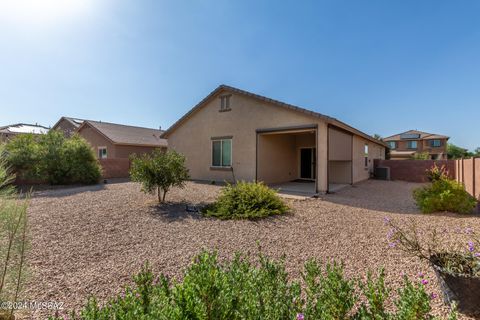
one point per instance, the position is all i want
(463, 170)
(473, 178)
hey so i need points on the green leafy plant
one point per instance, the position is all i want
(444, 195)
(246, 200)
(421, 156)
(329, 294)
(159, 172)
(244, 289)
(437, 173)
(53, 158)
(13, 240)
(6, 176)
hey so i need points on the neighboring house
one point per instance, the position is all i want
(405, 145)
(110, 140)
(68, 125)
(234, 134)
(10, 131)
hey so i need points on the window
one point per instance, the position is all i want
(412, 144)
(392, 145)
(435, 143)
(225, 103)
(102, 152)
(366, 155)
(222, 153)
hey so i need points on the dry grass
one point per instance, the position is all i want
(90, 240)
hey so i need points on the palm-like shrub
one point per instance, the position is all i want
(159, 172)
(246, 200)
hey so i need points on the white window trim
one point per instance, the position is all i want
(221, 153)
(411, 142)
(366, 158)
(106, 151)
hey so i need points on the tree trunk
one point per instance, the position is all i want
(164, 194)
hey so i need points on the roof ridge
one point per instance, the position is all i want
(124, 125)
(269, 100)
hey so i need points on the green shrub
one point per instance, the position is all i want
(13, 240)
(444, 195)
(159, 172)
(246, 200)
(244, 289)
(329, 294)
(436, 173)
(421, 156)
(53, 158)
(6, 176)
(23, 155)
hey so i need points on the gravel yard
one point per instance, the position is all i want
(91, 240)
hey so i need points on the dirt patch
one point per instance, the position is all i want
(91, 240)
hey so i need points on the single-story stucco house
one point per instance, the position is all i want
(233, 134)
(118, 141)
(11, 131)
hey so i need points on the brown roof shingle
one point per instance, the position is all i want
(422, 134)
(129, 135)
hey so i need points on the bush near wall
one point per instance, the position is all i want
(53, 158)
(246, 200)
(444, 195)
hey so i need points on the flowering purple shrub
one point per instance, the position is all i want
(459, 259)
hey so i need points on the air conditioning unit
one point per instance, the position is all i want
(382, 173)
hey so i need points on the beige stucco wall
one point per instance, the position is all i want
(340, 172)
(97, 140)
(66, 127)
(375, 151)
(113, 151)
(193, 137)
(278, 149)
(340, 145)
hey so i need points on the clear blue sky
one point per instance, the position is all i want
(381, 66)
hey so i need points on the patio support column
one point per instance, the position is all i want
(322, 158)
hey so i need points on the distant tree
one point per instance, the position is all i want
(421, 156)
(53, 158)
(477, 152)
(377, 136)
(159, 172)
(456, 152)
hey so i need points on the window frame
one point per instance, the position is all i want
(394, 143)
(225, 102)
(98, 152)
(410, 147)
(366, 152)
(432, 143)
(221, 139)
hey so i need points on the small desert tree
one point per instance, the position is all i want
(159, 172)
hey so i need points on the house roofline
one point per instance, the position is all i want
(278, 103)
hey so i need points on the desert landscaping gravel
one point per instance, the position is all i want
(91, 240)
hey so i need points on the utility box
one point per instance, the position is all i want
(382, 173)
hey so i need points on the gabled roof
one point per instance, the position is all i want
(410, 135)
(76, 122)
(20, 128)
(277, 103)
(127, 135)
